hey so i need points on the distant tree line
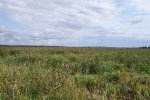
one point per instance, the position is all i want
(145, 47)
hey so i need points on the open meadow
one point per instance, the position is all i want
(55, 73)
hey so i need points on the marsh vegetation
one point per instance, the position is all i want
(42, 73)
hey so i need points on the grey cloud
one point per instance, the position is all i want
(136, 22)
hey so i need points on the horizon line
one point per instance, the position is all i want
(71, 46)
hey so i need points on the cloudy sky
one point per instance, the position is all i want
(120, 23)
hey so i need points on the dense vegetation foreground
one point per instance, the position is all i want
(42, 73)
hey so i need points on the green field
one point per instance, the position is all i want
(44, 73)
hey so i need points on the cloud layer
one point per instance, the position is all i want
(67, 22)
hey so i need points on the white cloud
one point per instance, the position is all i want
(62, 20)
(141, 5)
(1, 4)
(106, 5)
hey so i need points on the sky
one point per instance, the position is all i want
(111, 23)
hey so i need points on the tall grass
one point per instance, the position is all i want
(35, 73)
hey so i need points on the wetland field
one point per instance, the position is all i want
(58, 73)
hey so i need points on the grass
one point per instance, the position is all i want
(42, 73)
